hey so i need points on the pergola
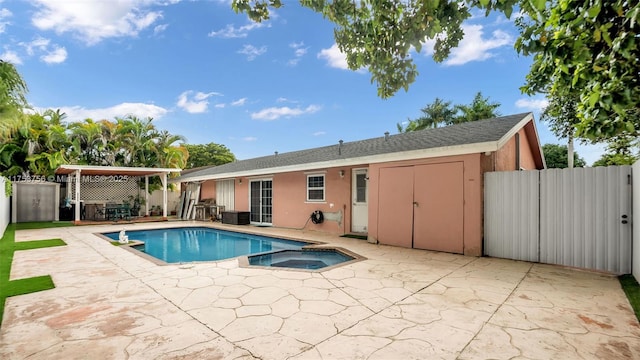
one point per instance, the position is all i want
(87, 170)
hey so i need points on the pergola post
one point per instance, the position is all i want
(164, 195)
(146, 195)
(77, 197)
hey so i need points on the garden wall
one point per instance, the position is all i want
(5, 205)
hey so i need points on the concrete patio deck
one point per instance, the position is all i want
(398, 304)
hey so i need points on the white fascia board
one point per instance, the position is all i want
(373, 159)
(119, 168)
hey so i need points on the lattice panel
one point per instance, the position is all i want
(106, 188)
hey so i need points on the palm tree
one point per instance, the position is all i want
(436, 114)
(87, 141)
(170, 155)
(138, 139)
(13, 99)
(479, 109)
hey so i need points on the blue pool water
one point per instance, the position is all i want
(301, 259)
(189, 244)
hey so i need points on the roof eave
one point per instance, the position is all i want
(373, 159)
(114, 170)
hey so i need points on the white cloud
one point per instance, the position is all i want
(219, 106)
(474, 48)
(319, 133)
(78, 113)
(274, 113)
(239, 102)
(335, 58)
(532, 104)
(299, 52)
(4, 13)
(94, 21)
(160, 28)
(48, 52)
(249, 138)
(39, 43)
(11, 56)
(231, 32)
(284, 99)
(252, 52)
(56, 56)
(196, 103)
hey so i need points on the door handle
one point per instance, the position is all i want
(624, 219)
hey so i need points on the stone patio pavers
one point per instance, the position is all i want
(568, 313)
(110, 303)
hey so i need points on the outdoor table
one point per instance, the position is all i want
(118, 211)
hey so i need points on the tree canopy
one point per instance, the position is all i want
(208, 154)
(588, 47)
(623, 150)
(42, 142)
(556, 157)
(442, 113)
(13, 100)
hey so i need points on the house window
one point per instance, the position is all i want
(315, 187)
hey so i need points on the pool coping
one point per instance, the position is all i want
(243, 260)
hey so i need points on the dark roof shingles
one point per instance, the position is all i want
(454, 135)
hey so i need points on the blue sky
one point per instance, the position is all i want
(209, 74)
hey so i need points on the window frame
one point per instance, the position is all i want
(323, 188)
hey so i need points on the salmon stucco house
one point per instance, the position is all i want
(421, 189)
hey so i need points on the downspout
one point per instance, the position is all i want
(517, 151)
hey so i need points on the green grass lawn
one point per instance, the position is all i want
(632, 289)
(8, 247)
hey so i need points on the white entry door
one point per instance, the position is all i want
(360, 196)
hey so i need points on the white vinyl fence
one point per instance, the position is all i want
(5, 206)
(636, 229)
(155, 199)
(575, 217)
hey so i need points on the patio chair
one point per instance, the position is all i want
(99, 213)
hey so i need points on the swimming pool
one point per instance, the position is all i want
(188, 244)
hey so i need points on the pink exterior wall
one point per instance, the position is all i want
(472, 185)
(208, 190)
(527, 161)
(291, 208)
(505, 157)
(241, 194)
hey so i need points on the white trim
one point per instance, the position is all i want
(318, 172)
(118, 169)
(263, 177)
